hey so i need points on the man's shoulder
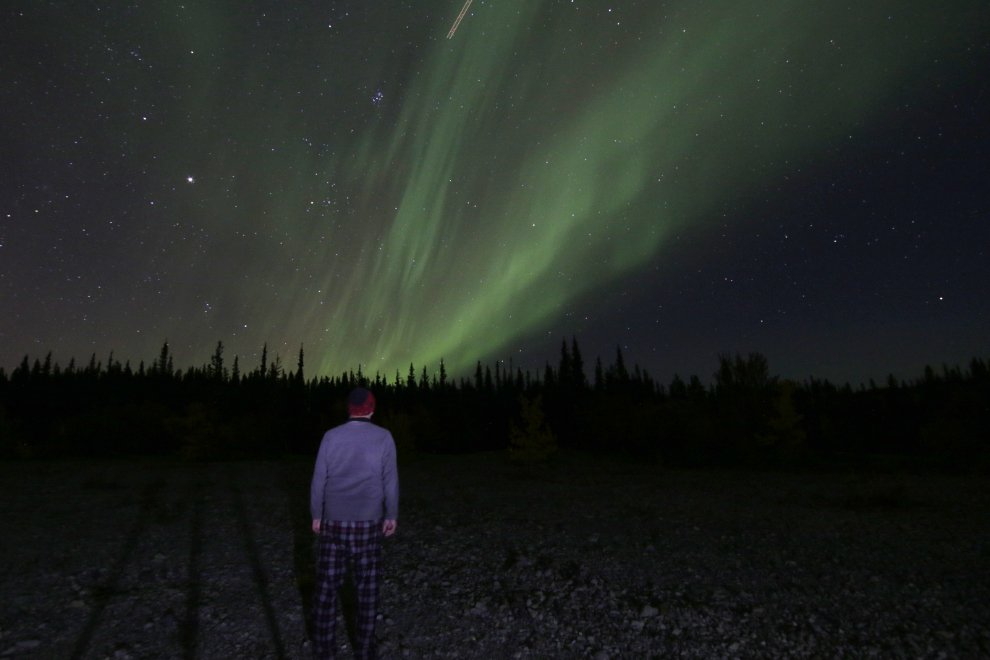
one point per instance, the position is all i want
(353, 427)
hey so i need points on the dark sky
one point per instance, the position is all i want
(804, 179)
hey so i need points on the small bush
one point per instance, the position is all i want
(534, 443)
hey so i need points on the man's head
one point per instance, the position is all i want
(361, 402)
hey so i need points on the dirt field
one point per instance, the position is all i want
(588, 558)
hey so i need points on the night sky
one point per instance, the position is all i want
(804, 179)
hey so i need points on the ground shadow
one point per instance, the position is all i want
(260, 579)
(190, 626)
(103, 594)
(296, 493)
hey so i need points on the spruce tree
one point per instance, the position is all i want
(577, 366)
(620, 366)
(216, 363)
(299, 367)
(163, 357)
(564, 373)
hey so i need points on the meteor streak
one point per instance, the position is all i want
(459, 17)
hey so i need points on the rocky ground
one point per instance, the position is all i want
(589, 558)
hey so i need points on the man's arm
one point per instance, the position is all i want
(390, 486)
(318, 485)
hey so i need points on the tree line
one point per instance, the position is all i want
(744, 416)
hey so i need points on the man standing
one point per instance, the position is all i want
(354, 500)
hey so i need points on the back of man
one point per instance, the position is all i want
(355, 470)
(354, 501)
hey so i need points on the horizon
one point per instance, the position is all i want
(289, 367)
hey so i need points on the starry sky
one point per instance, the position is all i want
(806, 179)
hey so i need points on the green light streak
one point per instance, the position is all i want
(545, 151)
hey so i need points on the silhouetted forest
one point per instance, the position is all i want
(746, 416)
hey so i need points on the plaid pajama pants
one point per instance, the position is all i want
(361, 541)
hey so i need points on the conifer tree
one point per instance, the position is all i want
(478, 377)
(411, 379)
(299, 367)
(22, 371)
(620, 366)
(264, 360)
(443, 375)
(577, 365)
(163, 357)
(564, 373)
(216, 363)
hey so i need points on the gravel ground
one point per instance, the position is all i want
(588, 558)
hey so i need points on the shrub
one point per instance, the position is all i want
(534, 442)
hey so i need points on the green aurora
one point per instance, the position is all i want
(548, 149)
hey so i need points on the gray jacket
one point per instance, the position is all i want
(355, 476)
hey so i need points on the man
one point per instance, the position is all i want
(354, 500)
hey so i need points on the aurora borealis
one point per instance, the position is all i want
(342, 176)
